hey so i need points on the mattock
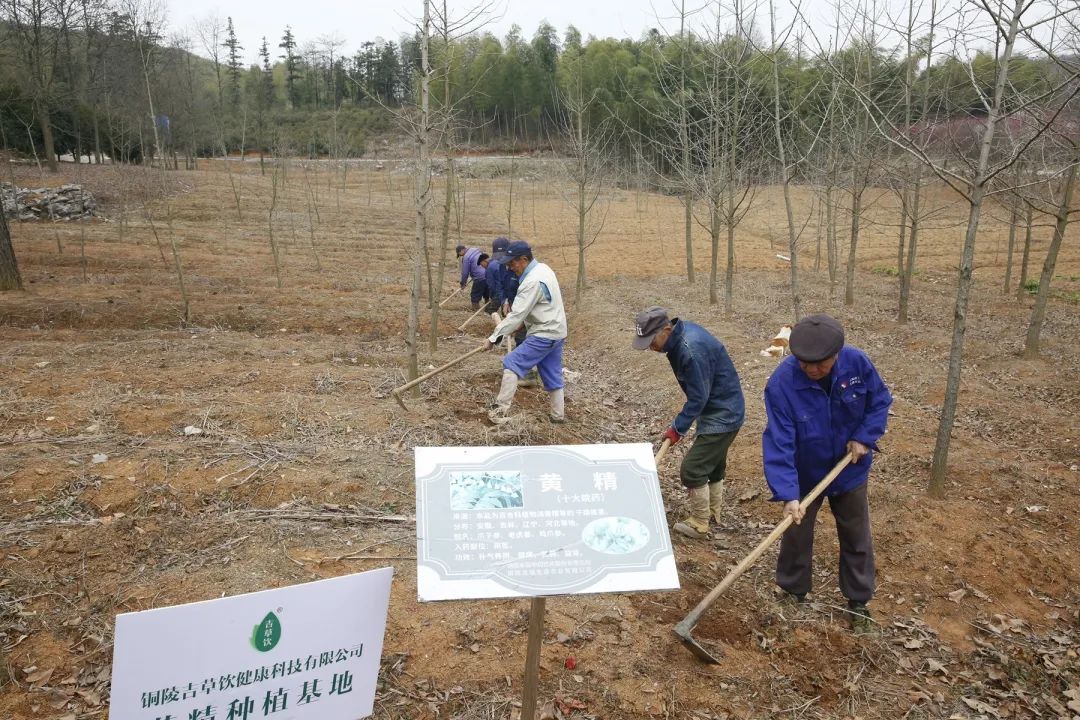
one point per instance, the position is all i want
(684, 628)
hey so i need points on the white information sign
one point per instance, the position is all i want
(305, 651)
(536, 521)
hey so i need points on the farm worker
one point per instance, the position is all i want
(480, 289)
(824, 400)
(470, 267)
(714, 399)
(496, 270)
(539, 305)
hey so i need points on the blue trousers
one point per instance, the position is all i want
(541, 353)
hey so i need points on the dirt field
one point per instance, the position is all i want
(109, 507)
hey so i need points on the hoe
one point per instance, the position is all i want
(684, 628)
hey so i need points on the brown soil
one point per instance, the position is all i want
(290, 387)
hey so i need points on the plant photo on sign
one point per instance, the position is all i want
(615, 535)
(485, 490)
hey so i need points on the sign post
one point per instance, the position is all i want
(531, 686)
(498, 522)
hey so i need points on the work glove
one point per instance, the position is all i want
(673, 435)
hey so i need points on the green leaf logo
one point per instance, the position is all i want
(267, 633)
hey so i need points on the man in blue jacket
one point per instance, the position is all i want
(823, 401)
(714, 399)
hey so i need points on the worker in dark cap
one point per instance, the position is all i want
(538, 305)
(714, 401)
(823, 401)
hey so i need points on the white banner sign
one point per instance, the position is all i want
(542, 520)
(305, 651)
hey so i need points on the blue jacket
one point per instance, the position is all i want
(470, 266)
(706, 374)
(508, 283)
(495, 270)
(807, 430)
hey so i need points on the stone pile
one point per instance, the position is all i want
(67, 202)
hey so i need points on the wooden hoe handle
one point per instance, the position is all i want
(427, 376)
(664, 447)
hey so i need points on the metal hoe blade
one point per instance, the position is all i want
(683, 631)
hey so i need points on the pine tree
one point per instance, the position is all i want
(288, 44)
(233, 66)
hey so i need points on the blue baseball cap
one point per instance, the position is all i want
(499, 244)
(518, 248)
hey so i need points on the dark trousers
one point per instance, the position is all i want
(706, 463)
(479, 292)
(794, 566)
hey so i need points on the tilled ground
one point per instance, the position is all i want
(301, 466)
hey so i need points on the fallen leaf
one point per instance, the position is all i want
(750, 494)
(58, 700)
(92, 699)
(43, 364)
(192, 430)
(39, 677)
(475, 647)
(957, 595)
(913, 644)
(980, 706)
(933, 666)
(99, 458)
(569, 705)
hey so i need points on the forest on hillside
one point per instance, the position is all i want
(87, 78)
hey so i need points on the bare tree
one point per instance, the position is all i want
(449, 29)
(1061, 221)
(37, 27)
(422, 197)
(588, 146)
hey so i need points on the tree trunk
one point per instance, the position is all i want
(714, 238)
(856, 211)
(444, 243)
(1025, 258)
(1014, 218)
(581, 207)
(45, 124)
(9, 267)
(1038, 313)
(908, 272)
(423, 190)
(830, 234)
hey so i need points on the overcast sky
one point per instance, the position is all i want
(358, 21)
(362, 20)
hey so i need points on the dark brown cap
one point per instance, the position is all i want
(816, 337)
(647, 324)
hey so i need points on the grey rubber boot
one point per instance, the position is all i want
(558, 406)
(500, 413)
(696, 524)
